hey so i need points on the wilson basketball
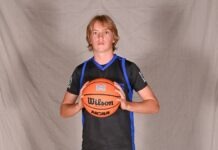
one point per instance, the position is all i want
(99, 98)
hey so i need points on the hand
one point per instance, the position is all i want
(80, 103)
(122, 99)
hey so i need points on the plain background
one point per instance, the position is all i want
(174, 42)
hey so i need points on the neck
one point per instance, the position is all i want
(103, 58)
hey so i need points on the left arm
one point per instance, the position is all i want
(148, 105)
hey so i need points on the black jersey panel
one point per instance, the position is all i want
(113, 73)
(105, 133)
(113, 132)
(74, 82)
(136, 77)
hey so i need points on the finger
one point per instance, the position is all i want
(118, 91)
(122, 95)
(121, 91)
(117, 85)
(118, 99)
(81, 104)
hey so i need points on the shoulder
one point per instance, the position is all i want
(130, 65)
(79, 67)
(77, 70)
(136, 78)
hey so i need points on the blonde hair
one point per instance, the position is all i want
(105, 21)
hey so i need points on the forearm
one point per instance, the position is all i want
(145, 106)
(68, 110)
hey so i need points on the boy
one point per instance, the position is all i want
(115, 132)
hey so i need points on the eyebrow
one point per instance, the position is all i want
(98, 30)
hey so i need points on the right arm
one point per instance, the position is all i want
(71, 103)
(69, 107)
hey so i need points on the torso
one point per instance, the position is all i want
(113, 132)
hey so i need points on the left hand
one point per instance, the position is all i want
(122, 99)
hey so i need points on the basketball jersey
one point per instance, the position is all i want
(115, 132)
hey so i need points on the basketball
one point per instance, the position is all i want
(99, 98)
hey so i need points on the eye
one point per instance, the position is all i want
(94, 32)
(107, 32)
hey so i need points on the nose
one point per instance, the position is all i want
(100, 35)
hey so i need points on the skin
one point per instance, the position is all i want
(102, 40)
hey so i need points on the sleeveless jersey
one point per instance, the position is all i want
(115, 132)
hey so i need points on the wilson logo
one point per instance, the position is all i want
(99, 102)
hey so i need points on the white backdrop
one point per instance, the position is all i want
(174, 42)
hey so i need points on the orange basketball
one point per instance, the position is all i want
(99, 98)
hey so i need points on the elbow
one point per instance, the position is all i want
(156, 108)
(62, 113)
(66, 112)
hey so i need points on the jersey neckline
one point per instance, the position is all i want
(105, 66)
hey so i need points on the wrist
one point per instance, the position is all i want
(78, 107)
(128, 106)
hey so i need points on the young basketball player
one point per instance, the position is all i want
(115, 132)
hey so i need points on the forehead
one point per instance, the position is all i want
(100, 26)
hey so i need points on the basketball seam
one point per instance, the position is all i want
(101, 108)
(101, 94)
(108, 82)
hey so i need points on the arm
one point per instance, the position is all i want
(69, 107)
(148, 105)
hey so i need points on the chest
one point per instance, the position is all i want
(114, 72)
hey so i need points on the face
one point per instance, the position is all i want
(101, 38)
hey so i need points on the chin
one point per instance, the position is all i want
(101, 49)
